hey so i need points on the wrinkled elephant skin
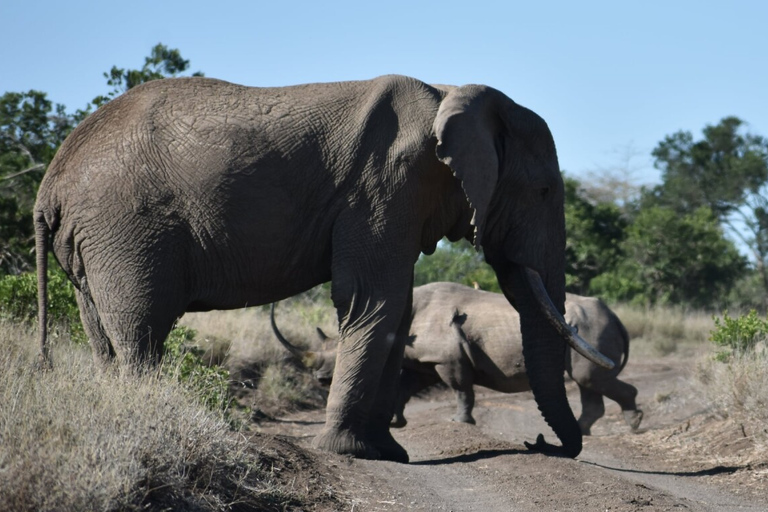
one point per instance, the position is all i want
(194, 194)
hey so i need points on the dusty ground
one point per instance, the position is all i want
(682, 458)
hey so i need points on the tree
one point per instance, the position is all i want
(673, 259)
(727, 172)
(162, 62)
(457, 262)
(719, 172)
(594, 231)
(31, 130)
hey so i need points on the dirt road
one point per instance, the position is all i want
(681, 459)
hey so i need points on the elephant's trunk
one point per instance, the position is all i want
(544, 351)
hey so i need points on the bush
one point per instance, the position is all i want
(738, 335)
(184, 362)
(18, 302)
(81, 439)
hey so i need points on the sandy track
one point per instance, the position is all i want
(458, 467)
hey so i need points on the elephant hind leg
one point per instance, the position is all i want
(132, 330)
(103, 351)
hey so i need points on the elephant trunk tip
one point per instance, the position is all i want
(570, 449)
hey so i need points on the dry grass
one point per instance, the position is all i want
(738, 390)
(264, 377)
(247, 336)
(76, 438)
(660, 331)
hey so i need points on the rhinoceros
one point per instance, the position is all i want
(462, 336)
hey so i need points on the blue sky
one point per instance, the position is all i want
(611, 78)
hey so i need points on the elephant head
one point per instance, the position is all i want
(505, 157)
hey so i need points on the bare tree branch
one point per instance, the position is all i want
(36, 167)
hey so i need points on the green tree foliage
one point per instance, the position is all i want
(163, 62)
(31, 130)
(726, 171)
(675, 259)
(719, 171)
(457, 262)
(18, 301)
(594, 233)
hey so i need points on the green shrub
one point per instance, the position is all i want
(738, 335)
(18, 301)
(184, 362)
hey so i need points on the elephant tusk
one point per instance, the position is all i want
(558, 322)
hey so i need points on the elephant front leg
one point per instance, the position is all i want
(378, 426)
(369, 358)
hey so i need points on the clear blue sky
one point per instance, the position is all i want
(606, 75)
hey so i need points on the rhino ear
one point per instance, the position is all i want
(467, 126)
(321, 335)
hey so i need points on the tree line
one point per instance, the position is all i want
(681, 242)
(698, 239)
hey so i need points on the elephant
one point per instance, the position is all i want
(193, 194)
(462, 336)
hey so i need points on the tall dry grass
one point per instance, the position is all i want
(736, 388)
(664, 330)
(77, 438)
(264, 376)
(246, 334)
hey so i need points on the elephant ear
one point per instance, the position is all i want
(466, 127)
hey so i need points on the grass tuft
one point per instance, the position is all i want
(76, 438)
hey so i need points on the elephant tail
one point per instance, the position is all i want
(42, 237)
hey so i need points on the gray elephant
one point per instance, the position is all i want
(462, 337)
(194, 194)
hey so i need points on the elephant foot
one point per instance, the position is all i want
(344, 442)
(633, 418)
(464, 418)
(398, 421)
(388, 448)
(550, 449)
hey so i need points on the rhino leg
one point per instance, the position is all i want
(412, 382)
(619, 391)
(592, 409)
(465, 402)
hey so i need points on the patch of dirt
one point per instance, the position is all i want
(682, 458)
